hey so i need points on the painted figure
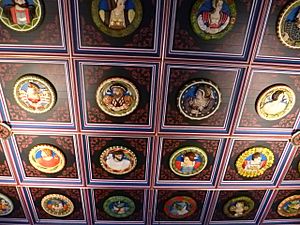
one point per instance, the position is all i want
(20, 12)
(4, 207)
(292, 206)
(117, 98)
(188, 162)
(120, 207)
(238, 209)
(179, 208)
(47, 158)
(200, 101)
(292, 28)
(57, 205)
(34, 97)
(118, 161)
(216, 20)
(116, 14)
(275, 103)
(254, 162)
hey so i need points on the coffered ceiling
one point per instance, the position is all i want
(157, 62)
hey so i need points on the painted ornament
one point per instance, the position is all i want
(180, 207)
(119, 206)
(288, 25)
(5, 131)
(47, 158)
(213, 19)
(21, 15)
(34, 94)
(6, 205)
(117, 97)
(199, 100)
(57, 205)
(296, 139)
(275, 102)
(117, 18)
(238, 207)
(254, 161)
(188, 161)
(290, 206)
(118, 160)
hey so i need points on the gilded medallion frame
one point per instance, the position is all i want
(124, 83)
(60, 198)
(269, 92)
(226, 207)
(184, 93)
(9, 201)
(247, 153)
(207, 36)
(282, 35)
(119, 198)
(295, 140)
(44, 169)
(134, 25)
(184, 150)
(125, 151)
(5, 131)
(27, 27)
(46, 86)
(282, 212)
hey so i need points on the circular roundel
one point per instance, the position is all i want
(238, 207)
(34, 94)
(5, 131)
(275, 102)
(46, 158)
(296, 139)
(6, 205)
(117, 18)
(288, 25)
(118, 160)
(188, 161)
(290, 206)
(180, 207)
(199, 100)
(213, 19)
(117, 97)
(57, 205)
(21, 15)
(254, 161)
(119, 206)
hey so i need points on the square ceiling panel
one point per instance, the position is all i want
(240, 162)
(105, 169)
(99, 79)
(173, 169)
(54, 74)
(181, 82)
(277, 51)
(187, 40)
(140, 36)
(31, 152)
(256, 114)
(46, 33)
